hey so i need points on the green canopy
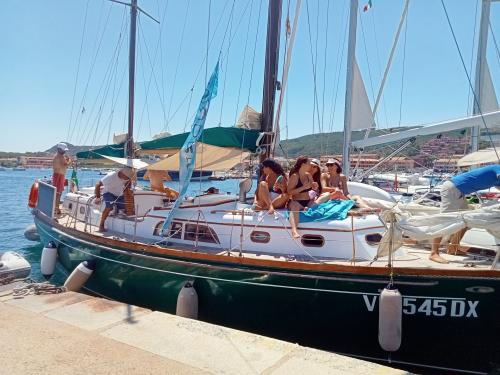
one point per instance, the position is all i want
(218, 136)
(116, 151)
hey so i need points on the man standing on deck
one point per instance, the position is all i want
(60, 165)
(113, 186)
(453, 195)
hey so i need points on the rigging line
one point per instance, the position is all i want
(254, 50)
(495, 43)
(78, 69)
(472, 58)
(243, 65)
(99, 44)
(366, 56)
(324, 64)
(145, 107)
(152, 65)
(181, 43)
(379, 67)
(208, 42)
(104, 88)
(317, 64)
(162, 17)
(403, 73)
(335, 88)
(187, 112)
(315, 96)
(106, 82)
(474, 95)
(230, 25)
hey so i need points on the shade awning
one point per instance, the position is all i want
(116, 150)
(131, 163)
(485, 156)
(242, 139)
(208, 157)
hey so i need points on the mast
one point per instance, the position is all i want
(480, 69)
(351, 54)
(129, 146)
(270, 72)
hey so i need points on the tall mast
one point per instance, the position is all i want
(270, 72)
(129, 147)
(351, 55)
(480, 69)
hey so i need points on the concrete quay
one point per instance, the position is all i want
(73, 333)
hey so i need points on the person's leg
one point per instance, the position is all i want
(454, 245)
(294, 208)
(280, 201)
(434, 256)
(263, 198)
(104, 216)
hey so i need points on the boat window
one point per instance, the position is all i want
(373, 238)
(312, 240)
(82, 210)
(201, 233)
(70, 206)
(174, 232)
(260, 237)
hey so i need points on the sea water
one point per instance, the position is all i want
(15, 215)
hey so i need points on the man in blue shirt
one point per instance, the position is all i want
(453, 194)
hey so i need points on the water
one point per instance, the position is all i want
(15, 215)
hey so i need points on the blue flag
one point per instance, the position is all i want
(187, 154)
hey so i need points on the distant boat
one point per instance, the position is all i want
(197, 175)
(19, 169)
(3, 169)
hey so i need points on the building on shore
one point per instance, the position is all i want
(35, 162)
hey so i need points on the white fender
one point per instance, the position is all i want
(48, 260)
(187, 302)
(31, 233)
(389, 319)
(79, 276)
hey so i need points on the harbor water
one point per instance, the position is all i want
(14, 191)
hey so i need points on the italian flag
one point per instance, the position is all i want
(367, 7)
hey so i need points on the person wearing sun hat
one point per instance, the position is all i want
(60, 165)
(113, 187)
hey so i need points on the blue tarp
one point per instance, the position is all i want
(331, 210)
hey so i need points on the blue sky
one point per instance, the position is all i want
(40, 43)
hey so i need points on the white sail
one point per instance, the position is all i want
(362, 114)
(488, 97)
(249, 119)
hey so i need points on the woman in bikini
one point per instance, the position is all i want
(271, 190)
(299, 184)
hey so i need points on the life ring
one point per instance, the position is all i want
(33, 199)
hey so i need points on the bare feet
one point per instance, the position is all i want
(455, 250)
(438, 259)
(271, 210)
(295, 235)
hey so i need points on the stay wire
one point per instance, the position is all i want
(476, 101)
(472, 56)
(403, 71)
(78, 69)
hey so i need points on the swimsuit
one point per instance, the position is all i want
(303, 202)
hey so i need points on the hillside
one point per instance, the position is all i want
(315, 145)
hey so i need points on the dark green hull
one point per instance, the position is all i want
(448, 322)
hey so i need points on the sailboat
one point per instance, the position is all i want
(322, 290)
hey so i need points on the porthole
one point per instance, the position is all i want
(373, 239)
(200, 233)
(260, 236)
(174, 232)
(312, 240)
(82, 210)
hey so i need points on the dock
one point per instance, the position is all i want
(74, 333)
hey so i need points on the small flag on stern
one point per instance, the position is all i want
(367, 6)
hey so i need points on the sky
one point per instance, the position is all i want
(64, 75)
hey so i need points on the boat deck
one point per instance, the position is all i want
(415, 256)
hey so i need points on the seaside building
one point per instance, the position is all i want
(35, 162)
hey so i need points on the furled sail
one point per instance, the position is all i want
(489, 102)
(249, 119)
(362, 114)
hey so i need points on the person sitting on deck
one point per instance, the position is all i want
(271, 190)
(113, 187)
(453, 194)
(60, 165)
(156, 179)
(300, 183)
